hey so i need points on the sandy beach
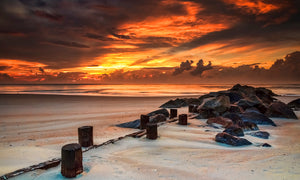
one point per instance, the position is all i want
(35, 127)
(31, 124)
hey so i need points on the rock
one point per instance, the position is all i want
(132, 124)
(281, 110)
(266, 91)
(231, 140)
(266, 145)
(247, 103)
(260, 134)
(234, 130)
(236, 119)
(157, 118)
(234, 96)
(256, 118)
(265, 95)
(249, 126)
(235, 109)
(159, 111)
(177, 103)
(218, 104)
(206, 113)
(245, 90)
(193, 101)
(225, 122)
(294, 104)
(252, 109)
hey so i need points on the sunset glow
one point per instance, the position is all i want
(102, 41)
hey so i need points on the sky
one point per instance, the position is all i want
(149, 41)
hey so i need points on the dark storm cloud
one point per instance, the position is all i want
(2, 68)
(5, 78)
(250, 29)
(73, 24)
(43, 14)
(200, 68)
(287, 67)
(98, 37)
(184, 66)
(62, 33)
(41, 70)
(70, 44)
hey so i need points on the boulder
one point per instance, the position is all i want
(235, 109)
(252, 103)
(281, 110)
(234, 96)
(231, 140)
(266, 145)
(256, 118)
(193, 101)
(246, 103)
(157, 118)
(219, 104)
(294, 104)
(236, 119)
(206, 113)
(249, 126)
(265, 95)
(132, 124)
(245, 90)
(260, 134)
(234, 130)
(177, 103)
(165, 112)
(225, 122)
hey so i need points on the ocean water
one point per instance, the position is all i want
(138, 90)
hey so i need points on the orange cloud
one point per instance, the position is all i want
(254, 6)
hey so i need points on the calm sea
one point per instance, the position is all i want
(137, 90)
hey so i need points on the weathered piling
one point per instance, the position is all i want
(71, 160)
(144, 121)
(85, 136)
(173, 113)
(191, 108)
(151, 130)
(182, 119)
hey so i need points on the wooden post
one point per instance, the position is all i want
(151, 130)
(85, 136)
(144, 121)
(71, 160)
(173, 113)
(183, 119)
(191, 108)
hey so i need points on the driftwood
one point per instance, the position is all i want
(56, 161)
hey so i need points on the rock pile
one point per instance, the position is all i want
(238, 109)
